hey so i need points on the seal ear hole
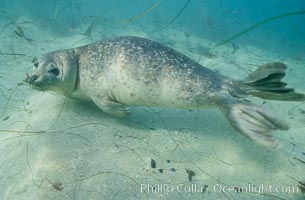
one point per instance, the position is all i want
(54, 71)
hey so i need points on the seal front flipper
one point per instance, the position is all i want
(252, 121)
(111, 107)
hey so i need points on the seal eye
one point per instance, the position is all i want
(36, 64)
(54, 71)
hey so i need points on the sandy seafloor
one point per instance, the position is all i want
(53, 147)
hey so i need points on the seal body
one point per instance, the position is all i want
(130, 71)
(138, 72)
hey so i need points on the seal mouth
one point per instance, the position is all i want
(31, 81)
(37, 87)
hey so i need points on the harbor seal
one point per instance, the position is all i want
(131, 71)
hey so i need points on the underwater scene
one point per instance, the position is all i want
(155, 99)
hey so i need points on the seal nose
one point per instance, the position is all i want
(33, 78)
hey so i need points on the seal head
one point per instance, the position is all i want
(56, 71)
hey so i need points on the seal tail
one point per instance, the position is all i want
(266, 83)
(252, 121)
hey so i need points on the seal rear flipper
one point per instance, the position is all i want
(266, 82)
(252, 121)
(111, 107)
